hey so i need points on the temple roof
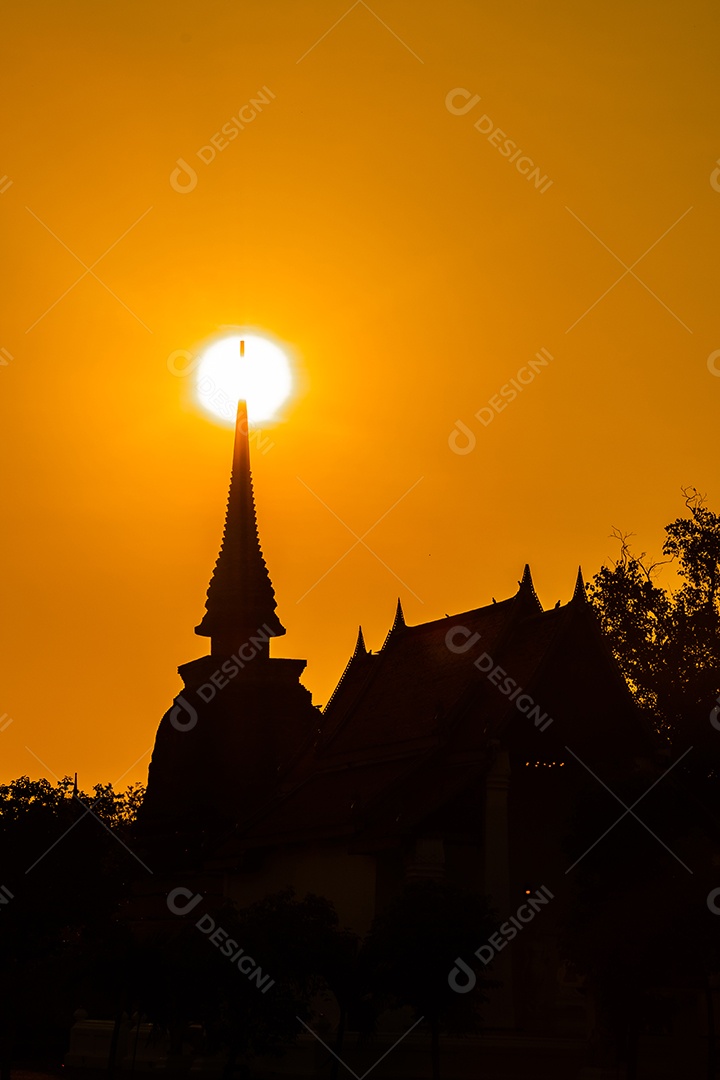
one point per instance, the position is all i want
(411, 724)
(240, 599)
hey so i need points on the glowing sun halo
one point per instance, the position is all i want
(262, 377)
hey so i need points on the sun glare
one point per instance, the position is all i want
(262, 376)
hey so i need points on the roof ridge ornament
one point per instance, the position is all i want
(360, 647)
(360, 653)
(526, 588)
(579, 594)
(398, 623)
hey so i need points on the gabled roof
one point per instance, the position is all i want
(400, 691)
(420, 673)
(417, 722)
(355, 670)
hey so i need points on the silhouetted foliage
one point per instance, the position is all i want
(178, 980)
(651, 924)
(641, 886)
(412, 947)
(64, 872)
(667, 642)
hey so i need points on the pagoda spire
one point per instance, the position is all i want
(240, 600)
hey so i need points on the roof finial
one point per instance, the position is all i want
(360, 649)
(526, 589)
(240, 599)
(360, 653)
(398, 623)
(579, 594)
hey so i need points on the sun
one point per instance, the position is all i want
(257, 370)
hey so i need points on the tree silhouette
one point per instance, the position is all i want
(64, 874)
(412, 946)
(667, 643)
(651, 925)
(178, 978)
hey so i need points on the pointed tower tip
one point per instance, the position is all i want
(240, 600)
(398, 623)
(360, 647)
(579, 595)
(360, 653)
(526, 581)
(526, 588)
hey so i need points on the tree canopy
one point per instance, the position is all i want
(667, 640)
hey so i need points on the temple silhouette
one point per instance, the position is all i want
(242, 715)
(441, 755)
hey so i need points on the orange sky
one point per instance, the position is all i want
(412, 269)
